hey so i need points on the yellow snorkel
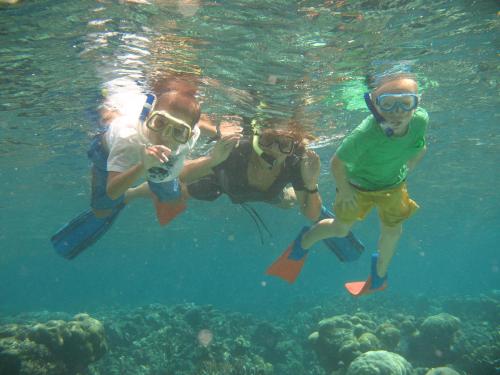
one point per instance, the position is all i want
(256, 126)
(255, 138)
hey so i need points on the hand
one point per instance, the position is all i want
(310, 169)
(155, 155)
(223, 148)
(240, 96)
(230, 125)
(346, 198)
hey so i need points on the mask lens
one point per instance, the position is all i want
(181, 133)
(386, 103)
(158, 123)
(266, 139)
(390, 102)
(286, 145)
(409, 103)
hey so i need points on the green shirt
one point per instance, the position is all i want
(375, 161)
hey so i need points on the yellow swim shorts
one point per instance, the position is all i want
(393, 205)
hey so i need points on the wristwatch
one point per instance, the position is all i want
(313, 191)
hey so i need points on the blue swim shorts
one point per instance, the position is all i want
(98, 155)
(166, 191)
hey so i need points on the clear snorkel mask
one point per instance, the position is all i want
(286, 144)
(167, 125)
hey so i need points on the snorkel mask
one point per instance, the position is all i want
(286, 144)
(389, 102)
(168, 125)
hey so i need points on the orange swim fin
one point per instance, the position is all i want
(285, 268)
(290, 263)
(167, 211)
(361, 288)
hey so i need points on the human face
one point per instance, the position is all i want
(396, 101)
(285, 143)
(169, 127)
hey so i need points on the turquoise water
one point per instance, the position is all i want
(306, 56)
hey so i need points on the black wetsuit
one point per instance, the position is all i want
(231, 178)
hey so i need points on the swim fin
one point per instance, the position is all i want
(348, 248)
(167, 211)
(82, 232)
(290, 263)
(374, 282)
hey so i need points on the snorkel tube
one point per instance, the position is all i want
(148, 105)
(378, 117)
(270, 160)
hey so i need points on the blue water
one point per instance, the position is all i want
(295, 56)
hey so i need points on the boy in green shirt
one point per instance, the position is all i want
(370, 169)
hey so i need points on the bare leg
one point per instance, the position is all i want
(324, 229)
(289, 199)
(389, 237)
(141, 191)
(102, 213)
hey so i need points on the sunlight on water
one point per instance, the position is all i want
(307, 60)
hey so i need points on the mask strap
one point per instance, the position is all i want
(378, 117)
(371, 107)
(146, 108)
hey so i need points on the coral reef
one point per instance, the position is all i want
(380, 363)
(483, 358)
(194, 340)
(340, 339)
(375, 336)
(53, 348)
(436, 341)
(441, 371)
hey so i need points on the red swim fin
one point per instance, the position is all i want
(286, 268)
(167, 211)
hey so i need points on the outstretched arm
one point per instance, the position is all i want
(197, 168)
(228, 125)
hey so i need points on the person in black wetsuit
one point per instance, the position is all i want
(260, 168)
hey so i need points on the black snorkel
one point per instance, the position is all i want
(378, 117)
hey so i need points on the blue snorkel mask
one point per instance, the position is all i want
(390, 102)
(406, 102)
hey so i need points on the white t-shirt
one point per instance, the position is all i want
(126, 141)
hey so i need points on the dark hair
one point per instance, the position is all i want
(182, 82)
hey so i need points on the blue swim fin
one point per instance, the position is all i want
(82, 232)
(348, 248)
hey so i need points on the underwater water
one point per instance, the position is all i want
(308, 57)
